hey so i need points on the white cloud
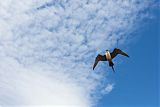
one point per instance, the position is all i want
(47, 48)
(108, 88)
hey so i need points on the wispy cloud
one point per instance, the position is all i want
(47, 48)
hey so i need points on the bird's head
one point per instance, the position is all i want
(107, 50)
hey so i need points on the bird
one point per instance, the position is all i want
(108, 57)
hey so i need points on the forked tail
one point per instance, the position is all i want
(111, 65)
(113, 69)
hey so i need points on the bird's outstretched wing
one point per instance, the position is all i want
(99, 58)
(117, 51)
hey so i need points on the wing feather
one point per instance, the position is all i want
(99, 58)
(117, 51)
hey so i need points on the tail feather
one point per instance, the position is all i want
(113, 69)
(111, 64)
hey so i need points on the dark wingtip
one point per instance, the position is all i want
(126, 55)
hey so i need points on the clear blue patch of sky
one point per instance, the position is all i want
(136, 78)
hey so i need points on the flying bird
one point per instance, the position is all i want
(108, 57)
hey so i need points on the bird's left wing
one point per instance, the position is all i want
(99, 58)
(117, 51)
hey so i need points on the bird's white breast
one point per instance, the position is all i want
(108, 56)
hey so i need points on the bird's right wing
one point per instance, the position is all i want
(99, 58)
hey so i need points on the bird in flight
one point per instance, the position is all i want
(108, 57)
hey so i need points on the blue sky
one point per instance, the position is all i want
(137, 77)
(48, 47)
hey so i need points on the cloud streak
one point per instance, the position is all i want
(48, 48)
